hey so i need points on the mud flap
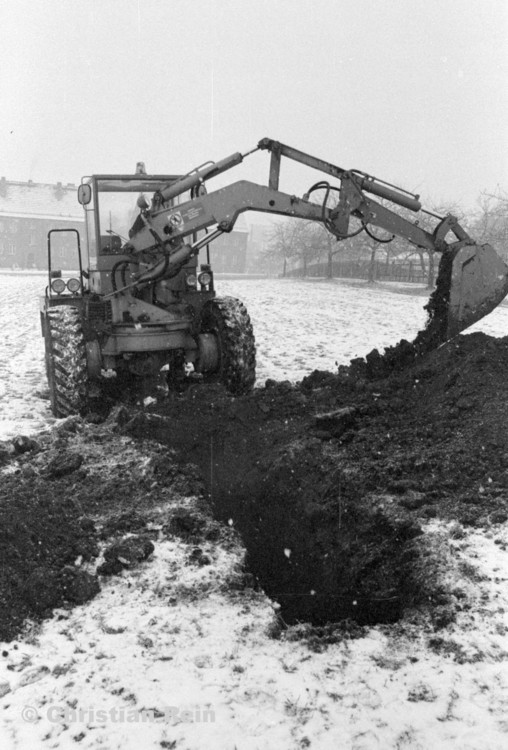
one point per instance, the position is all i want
(479, 282)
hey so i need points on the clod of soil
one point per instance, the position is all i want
(125, 553)
(78, 585)
(65, 462)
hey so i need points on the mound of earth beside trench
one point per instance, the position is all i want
(330, 481)
(80, 503)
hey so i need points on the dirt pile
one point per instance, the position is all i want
(328, 481)
(409, 353)
(83, 502)
(42, 533)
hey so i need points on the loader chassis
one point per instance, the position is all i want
(96, 332)
(142, 304)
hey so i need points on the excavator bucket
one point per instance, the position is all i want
(479, 282)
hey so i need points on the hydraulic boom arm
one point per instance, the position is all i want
(223, 206)
(476, 278)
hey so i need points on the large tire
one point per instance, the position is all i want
(66, 365)
(228, 320)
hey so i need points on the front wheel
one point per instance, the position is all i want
(226, 318)
(66, 365)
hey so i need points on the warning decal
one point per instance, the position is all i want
(193, 212)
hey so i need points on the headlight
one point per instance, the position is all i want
(191, 280)
(58, 286)
(205, 278)
(73, 285)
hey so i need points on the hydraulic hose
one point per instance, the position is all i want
(123, 264)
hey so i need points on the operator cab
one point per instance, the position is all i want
(112, 209)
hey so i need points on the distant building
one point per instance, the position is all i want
(28, 210)
(258, 245)
(228, 253)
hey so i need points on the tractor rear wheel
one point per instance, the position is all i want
(227, 319)
(66, 364)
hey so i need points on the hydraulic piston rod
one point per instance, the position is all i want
(199, 176)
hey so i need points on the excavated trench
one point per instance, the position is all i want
(330, 481)
(314, 545)
(325, 539)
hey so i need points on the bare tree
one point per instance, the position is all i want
(371, 278)
(281, 244)
(491, 224)
(294, 240)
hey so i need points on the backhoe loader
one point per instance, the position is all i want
(140, 305)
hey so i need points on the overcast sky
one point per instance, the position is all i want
(413, 91)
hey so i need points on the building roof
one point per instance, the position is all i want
(37, 200)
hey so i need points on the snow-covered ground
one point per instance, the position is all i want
(164, 657)
(152, 639)
(22, 373)
(299, 326)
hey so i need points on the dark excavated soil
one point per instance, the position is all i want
(328, 481)
(64, 496)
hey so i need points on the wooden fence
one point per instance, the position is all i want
(410, 272)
